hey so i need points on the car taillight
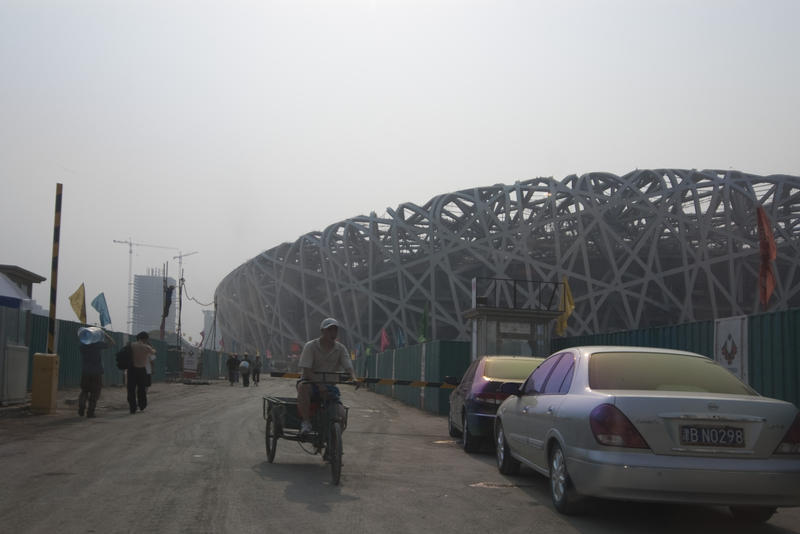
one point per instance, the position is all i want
(791, 442)
(491, 398)
(611, 427)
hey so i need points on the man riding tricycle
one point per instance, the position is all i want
(317, 415)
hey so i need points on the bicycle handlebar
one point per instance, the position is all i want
(340, 378)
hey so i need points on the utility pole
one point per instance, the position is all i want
(166, 298)
(131, 244)
(180, 257)
(180, 308)
(214, 326)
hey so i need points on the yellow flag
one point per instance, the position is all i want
(78, 302)
(568, 305)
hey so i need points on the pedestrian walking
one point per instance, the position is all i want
(92, 342)
(233, 368)
(149, 370)
(137, 373)
(244, 369)
(257, 371)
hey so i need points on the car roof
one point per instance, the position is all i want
(593, 349)
(510, 357)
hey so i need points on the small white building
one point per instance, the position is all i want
(16, 289)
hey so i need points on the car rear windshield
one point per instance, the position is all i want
(661, 372)
(516, 369)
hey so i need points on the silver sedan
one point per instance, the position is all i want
(647, 424)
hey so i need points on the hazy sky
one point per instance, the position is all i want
(230, 127)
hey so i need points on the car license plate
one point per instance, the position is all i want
(712, 436)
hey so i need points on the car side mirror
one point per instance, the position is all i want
(453, 381)
(510, 388)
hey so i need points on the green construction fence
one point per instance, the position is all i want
(167, 365)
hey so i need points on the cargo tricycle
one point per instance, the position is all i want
(327, 423)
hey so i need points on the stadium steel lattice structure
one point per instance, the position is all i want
(652, 247)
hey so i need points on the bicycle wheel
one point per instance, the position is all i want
(271, 437)
(335, 452)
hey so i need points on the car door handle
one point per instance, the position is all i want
(525, 409)
(549, 410)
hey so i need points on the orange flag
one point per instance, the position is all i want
(766, 276)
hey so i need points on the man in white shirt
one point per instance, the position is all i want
(323, 354)
(137, 373)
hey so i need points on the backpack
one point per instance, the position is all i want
(125, 357)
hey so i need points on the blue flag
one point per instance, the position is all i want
(400, 337)
(99, 304)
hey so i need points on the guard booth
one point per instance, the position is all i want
(513, 317)
(16, 288)
(13, 351)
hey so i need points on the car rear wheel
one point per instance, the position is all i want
(506, 464)
(561, 489)
(467, 439)
(752, 514)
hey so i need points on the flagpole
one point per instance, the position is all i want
(51, 329)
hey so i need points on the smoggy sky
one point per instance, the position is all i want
(229, 127)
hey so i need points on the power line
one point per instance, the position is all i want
(194, 299)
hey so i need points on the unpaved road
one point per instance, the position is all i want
(194, 461)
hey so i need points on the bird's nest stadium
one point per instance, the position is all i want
(650, 248)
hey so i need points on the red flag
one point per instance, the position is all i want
(766, 276)
(384, 340)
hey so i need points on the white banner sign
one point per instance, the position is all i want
(730, 345)
(190, 362)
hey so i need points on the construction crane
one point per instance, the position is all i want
(180, 257)
(131, 244)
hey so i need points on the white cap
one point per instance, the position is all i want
(328, 322)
